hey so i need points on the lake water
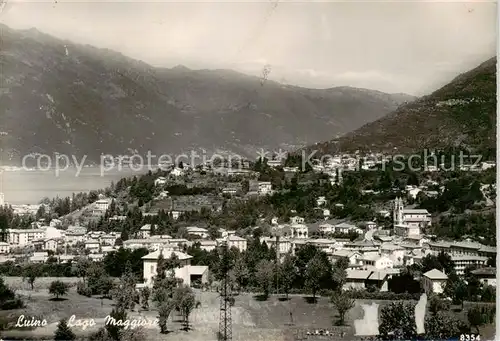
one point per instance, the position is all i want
(29, 187)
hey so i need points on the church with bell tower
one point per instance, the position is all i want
(409, 222)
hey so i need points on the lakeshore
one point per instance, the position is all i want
(31, 186)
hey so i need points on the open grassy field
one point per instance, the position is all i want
(252, 319)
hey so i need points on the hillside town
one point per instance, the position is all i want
(375, 250)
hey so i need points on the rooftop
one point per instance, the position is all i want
(166, 254)
(435, 274)
(489, 271)
(358, 274)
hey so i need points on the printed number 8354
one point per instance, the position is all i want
(470, 337)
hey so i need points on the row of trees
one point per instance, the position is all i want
(397, 321)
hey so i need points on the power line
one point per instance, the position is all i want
(225, 322)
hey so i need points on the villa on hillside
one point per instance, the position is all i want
(433, 281)
(188, 273)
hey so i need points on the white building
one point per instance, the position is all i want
(92, 245)
(434, 281)
(102, 205)
(185, 271)
(208, 245)
(356, 279)
(160, 181)
(326, 229)
(22, 237)
(4, 248)
(464, 261)
(414, 219)
(487, 275)
(74, 235)
(396, 253)
(237, 242)
(234, 241)
(274, 163)
(413, 192)
(353, 257)
(145, 231)
(2, 199)
(285, 246)
(39, 257)
(177, 172)
(198, 231)
(321, 201)
(297, 220)
(55, 223)
(265, 187)
(51, 244)
(370, 225)
(299, 231)
(375, 261)
(347, 228)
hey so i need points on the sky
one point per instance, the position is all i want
(400, 46)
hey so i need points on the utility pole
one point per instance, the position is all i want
(225, 322)
(277, 263)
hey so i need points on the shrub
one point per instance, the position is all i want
(58, 288)
(84, 290)
(381, 295)
(15, 303)
(8, 299)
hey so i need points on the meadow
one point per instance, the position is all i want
(252, 319)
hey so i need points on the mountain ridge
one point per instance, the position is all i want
(461, 114)
(82, 100)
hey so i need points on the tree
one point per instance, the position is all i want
(241, 273)
(164, 310)
(98, 281)
(397, 322)
(264, 276)
(443, 326)
(480, 315)
(30, 273)
(82, 266)
(339, 273)
(58, 288)
(456, 289)
(163, 283)
(145, 293)
(135, 334)
(461, 292)
(343, 303)
(488, 294)
(101, 335)
(125, 294)
(315, 272)
(436, 304)
(114, 327)
(63, 332)
(287, 274)
(185, 301)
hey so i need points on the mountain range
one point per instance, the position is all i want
(461, 114)
(58, 96)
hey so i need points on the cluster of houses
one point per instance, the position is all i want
(372, 260)
(43, 240)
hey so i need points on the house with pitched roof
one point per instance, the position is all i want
(353, 257)
(185, 271)
(434, 281)
(487, 275)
